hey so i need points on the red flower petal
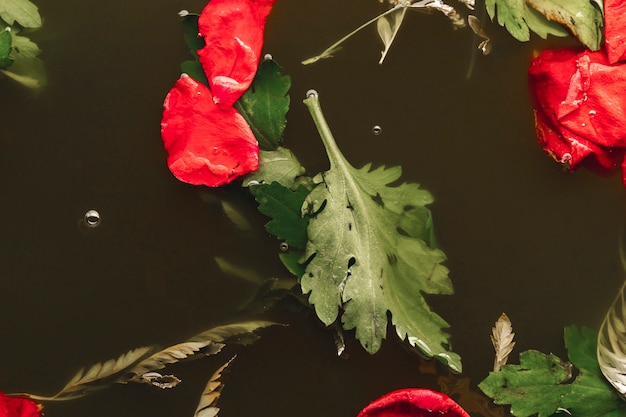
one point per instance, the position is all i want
(615, 29)
(205, 145)
(580, 108)
(413, 402)
(233, 33)
(18, 407)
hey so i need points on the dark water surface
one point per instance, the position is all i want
(521, 235)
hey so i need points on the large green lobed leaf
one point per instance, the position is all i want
(365, 257)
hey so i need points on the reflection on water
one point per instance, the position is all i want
(522, 237)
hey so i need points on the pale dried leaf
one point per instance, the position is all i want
(168, 355)
(83, 382)
(502, 340)
(207, 406)
(612, 344)
(388, 27)
(240, 332)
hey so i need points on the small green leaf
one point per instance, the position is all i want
(520, 19)
(5, 49)
(283, 206)
(26, 69)
(280, 165)
(581, 17)
(265, 104)
(23, 12)
(365, 258)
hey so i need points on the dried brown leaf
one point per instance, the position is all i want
(502, 340)
(207, 406)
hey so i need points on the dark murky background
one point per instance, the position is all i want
(521, 235)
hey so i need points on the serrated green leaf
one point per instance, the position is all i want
(280, 165)
(581, 17)
(283, 206)
(364, 262)
(510, 14)
(520, 19)
(265, 104)
(23, 12)
(542, 384)
(5, 49)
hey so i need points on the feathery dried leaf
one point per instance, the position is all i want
(240, 333)
(169, 355)
(83, 382)
(160, 381)
(502, 340)
(207, 407)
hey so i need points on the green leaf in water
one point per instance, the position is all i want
(5, 49)
(265, 104)
(581, 17)
(365, 259)
(26, 69)
(544, 384)
(194, 42)
(25, 13)
(280, 165)
(284, 207)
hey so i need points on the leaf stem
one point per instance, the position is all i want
(335, 156)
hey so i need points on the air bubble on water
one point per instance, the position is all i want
(592, 112)
(92, 218)
(377, 130)
(183, 13)
(284, 246)
(216, 150)
(311, 93)
(268, 57)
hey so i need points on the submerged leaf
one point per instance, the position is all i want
(365, 258)
(280, 165)
(5, 49)
(519, 19)
(502, 340)
(207, 406)
(27, 69)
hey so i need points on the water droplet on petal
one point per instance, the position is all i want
(311, 93)
(92, 218)
(377, 130)
(216, 150)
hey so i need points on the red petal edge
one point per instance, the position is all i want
(205, 144)
(18, 407)
(413, 402)
(233, 32)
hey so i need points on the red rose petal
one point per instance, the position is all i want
(615, 29)
(18, 407)
(579, 107)
(205, 145)
(233, 33)
(413, 402)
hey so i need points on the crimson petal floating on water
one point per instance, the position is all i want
(205, 144)
(233, 33)
(18, 407)
(413, 402)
